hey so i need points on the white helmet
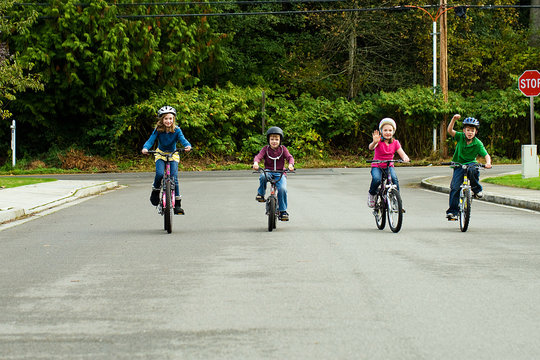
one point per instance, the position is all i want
(389, 121)
(166, 110)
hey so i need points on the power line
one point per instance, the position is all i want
(239, 2)
(288, 12)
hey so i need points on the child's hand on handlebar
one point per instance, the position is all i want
(187, 148)
(144, 151)
(255, 166)
(291, 167)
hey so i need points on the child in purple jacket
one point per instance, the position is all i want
(274, 155)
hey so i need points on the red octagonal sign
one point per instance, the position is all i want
(529, 83)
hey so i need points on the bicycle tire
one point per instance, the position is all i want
(379, 211)
(465, 210)
(394, 210)
(168, 208)
(271, 213)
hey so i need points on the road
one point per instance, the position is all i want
(102, 280)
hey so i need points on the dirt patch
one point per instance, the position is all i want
(77, 159)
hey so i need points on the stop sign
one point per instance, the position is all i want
(529, 83)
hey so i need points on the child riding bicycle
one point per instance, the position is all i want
(468, 148)
(167, 135)
(384, 150)
(274, 155)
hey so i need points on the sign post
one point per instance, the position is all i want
(529, 85)
(13, 143)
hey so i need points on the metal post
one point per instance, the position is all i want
(434, 77)
(532, 119)
(13, 143)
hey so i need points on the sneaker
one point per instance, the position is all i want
(371, 200)
(154, 197)
(283, 216)
(451, 217)
(479, 195)
(178, 207)
(259, 198)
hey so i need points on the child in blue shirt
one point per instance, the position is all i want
(167, 134)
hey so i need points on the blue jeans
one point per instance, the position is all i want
(455, 186)
(160, 172)
(281, 187)
(376, 178)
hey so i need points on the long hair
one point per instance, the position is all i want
(162, 128)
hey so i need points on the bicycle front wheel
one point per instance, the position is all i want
(465, 203)
(168, 208)
(395, 210)
(271, 210)
(379, 211)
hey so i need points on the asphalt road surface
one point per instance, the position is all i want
(102, 280)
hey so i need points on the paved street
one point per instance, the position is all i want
(102, 280)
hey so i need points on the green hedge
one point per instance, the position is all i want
(227, 121)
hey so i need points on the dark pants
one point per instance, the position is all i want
(455, 186)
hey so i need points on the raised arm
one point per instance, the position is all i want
(376, 138)
(450, 128)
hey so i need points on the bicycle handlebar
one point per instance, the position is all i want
(457, 164)
(165, 153)
(266, 171)
(273, 171)
(385, 161)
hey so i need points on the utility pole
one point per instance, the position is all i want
(444, 75)
(441, 13)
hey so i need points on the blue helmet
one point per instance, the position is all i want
(470, 121)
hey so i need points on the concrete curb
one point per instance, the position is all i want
(14, 213)
(489, 196)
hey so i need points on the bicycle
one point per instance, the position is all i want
(465, 193)
(387, 200)
(271, 202)
(167, 195)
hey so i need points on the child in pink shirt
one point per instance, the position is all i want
(384, 150)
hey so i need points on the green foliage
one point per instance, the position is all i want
(14, 76)
(94, 62)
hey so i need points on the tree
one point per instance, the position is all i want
(93, 62)
(13, 76)
(535, 24)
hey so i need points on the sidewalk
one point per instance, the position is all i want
(505, 195)
(31, 199)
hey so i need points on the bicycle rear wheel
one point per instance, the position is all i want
(465, 203)
(379, 211)
(395, 210)
(271, 212)
(168, 208)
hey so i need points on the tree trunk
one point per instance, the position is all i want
(352, 55)
(444, 76)
(534, 26)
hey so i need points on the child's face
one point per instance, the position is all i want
(470, 132)
(387, 131)
(168, 120)
(273, 140)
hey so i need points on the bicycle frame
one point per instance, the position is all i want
(272, 210)
(167, 195)
(388, 200)
(465, 196)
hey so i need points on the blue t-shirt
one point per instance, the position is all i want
(166, 140)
